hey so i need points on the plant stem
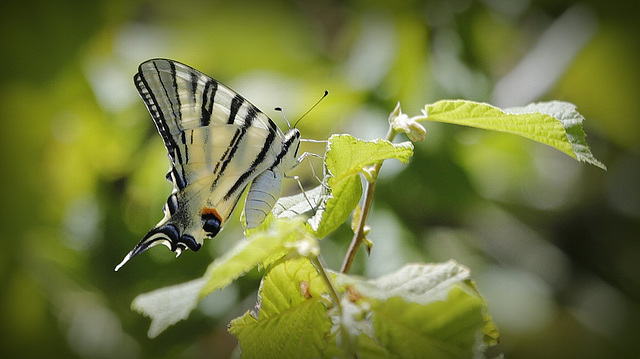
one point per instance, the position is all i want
(323, 274)
(348, 342)
(358, 235)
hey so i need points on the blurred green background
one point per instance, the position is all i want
(553, 244)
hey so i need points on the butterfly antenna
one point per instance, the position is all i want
(312, 107)
(281, 110)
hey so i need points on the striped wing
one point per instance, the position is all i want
(217, 143)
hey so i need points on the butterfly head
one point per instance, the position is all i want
(288, 157)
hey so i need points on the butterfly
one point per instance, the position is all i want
(218, 143)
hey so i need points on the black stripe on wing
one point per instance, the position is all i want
(244, 179)
(236, 103)
(158, 117)
(209, 95)
(234, 145)
(175, 154)
(174, 95)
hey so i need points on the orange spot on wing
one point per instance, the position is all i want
(212, 211)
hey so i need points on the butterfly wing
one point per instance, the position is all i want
(217, 143)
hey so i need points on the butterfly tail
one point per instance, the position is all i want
(166, 234)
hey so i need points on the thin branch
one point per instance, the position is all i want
(327, 281)
(359, 235)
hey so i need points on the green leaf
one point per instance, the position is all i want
(424, 310)
(442, 329)
(571, 119)
(292, 322)
(345, 159)
(259, 247)
(169, 305)
(298, 204)
(557, 124)
(420, 311)
(419, 283)
(369, 348)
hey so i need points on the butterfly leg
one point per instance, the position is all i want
(306, 156)
(313, 207)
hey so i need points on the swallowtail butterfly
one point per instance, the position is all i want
(217, 143)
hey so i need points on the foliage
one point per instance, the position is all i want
(306, 310)
(557, 124)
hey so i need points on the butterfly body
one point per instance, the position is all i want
(217, 143)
